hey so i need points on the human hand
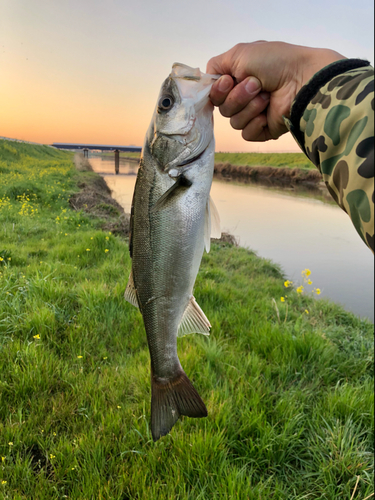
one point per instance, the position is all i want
(268, 77)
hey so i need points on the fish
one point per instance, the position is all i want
(172, 220)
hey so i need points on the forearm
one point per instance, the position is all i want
(332, 119)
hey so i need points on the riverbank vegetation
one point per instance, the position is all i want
(276, 168)
(289, 160)
(287, 379)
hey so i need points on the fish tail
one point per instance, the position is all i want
(169, 400)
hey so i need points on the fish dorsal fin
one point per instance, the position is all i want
(212, 224)
(131, 292)
(194, 320)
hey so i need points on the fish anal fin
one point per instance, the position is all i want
(131, 292)
(170, 399)
(193, 320)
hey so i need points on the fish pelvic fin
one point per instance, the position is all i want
(169, 400)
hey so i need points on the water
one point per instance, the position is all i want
(292, 229)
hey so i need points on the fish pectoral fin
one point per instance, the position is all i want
(181, 183)
(193, 320)
(212, 224)
(131, 292)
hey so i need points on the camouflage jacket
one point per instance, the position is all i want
(332, 119)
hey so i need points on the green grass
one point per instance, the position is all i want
(290, 160)
(289, 393)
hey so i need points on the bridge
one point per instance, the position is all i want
(98, 147)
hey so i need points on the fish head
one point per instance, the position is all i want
(182, 125)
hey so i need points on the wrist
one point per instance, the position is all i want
(312, 89)
(314, 60)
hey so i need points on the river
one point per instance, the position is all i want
(291, 228)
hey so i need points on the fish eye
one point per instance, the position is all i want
(165, 103)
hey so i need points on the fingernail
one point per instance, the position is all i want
(224, 84)
(265, 96)
(252, 85)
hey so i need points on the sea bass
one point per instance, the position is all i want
(170, 227)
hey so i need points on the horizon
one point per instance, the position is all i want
(134, 145)
(94, 75)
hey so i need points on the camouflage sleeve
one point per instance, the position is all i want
(332, 119)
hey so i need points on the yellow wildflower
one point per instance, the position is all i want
(306, 272)
(1, 259)
(107, 237)
(306, 311)
(118, 406)
(288, 283)
(36, 337)
(88, 250)
(3, 459)
(300, 289)
(106, 250)
(80, 357)
(317, 290)
(52, 456)
(309, 282)
(282, 299)
(10, 443)
(3, 482)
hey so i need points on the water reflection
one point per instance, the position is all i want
(290, 227)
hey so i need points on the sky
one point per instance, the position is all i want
(90, 71)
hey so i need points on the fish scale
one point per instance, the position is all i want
(170, 227)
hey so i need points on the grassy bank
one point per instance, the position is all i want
(289, 160)
(288, 384)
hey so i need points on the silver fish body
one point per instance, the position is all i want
(170, 226)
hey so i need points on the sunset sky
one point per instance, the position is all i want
(90, 71)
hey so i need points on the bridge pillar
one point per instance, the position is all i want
(85, 153)
(117, 161)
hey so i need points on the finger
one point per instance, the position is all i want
(256, 130)
(215, 66)
(254, 108)
(221, 89)
(240, 96)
